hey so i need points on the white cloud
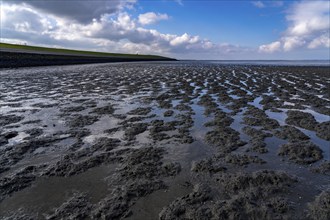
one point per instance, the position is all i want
(277, 3)
(322, 41)
(292, 42)
(115, 33)
(80, 11)
(23, 19)
(309, 17)
(180, 2)
(258, 4)
(270, 48)
(308, 26)
(261, 4)
(183, 39)
(151, 18)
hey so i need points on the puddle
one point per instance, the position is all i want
(18, 139)
(323, 144)
(256, 102)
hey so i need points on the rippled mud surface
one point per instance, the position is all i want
(165, 141)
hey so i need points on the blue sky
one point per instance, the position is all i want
(186, 29)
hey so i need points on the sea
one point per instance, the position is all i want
(269, 62)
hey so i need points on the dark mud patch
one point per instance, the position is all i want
(3, 141)
(291, 134)
(271, 181)
(5, 137)
(301, 152)
(209, 165)
(117, 205)
(256, 134)
(225, 139)
(81, 120)
(105, 110)
(135, 129)
(242, 160)
(257, 143)
(9, 134)
(34, 132)
(258, 146)
(31, 122)
(20, 214)
(141, 172)
(71, 165)
(168, 113)
(146, 163)
(323, 168)
(10, 119)
(266, 123)
(323, 130)
(73, 109)
(183, 107)
(158, 129)
(112, 130)
(189, 206)
(12, 154)
(301, 119)
(140, 111)
(319, 209)
(18, 181)
(235, 196)
(220, 162)
(76, 207)
(256, 117)
(221, 119)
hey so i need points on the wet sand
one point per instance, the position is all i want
(165, 141)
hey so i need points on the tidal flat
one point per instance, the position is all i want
(165, 140)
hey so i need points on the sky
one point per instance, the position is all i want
(183, 29)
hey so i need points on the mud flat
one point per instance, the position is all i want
(175, 140)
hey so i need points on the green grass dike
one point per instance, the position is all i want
(36, 49)
(15, 56)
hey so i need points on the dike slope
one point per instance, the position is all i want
(13, 56)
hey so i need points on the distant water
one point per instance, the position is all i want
(272, 62)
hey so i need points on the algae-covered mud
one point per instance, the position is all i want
(165, 141)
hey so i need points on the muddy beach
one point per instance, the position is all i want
(175, 140)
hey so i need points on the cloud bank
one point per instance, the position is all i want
(266, 4)
(80, 11)
(108, 25)
(309, 23)
(101, 27)
(151, 18)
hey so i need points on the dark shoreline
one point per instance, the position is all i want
(16, 59)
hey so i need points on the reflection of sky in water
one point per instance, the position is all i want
(19, 138)
(256, 102)
(323, 144)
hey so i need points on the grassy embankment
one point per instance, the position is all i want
(27, 48)
(14, 56)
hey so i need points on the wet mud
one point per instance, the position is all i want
(179, 140)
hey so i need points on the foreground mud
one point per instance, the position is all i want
(165, 141)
